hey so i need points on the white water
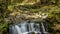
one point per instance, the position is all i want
(18, 29)
(37, 30)
(23, 27)
(32, 27)
(43, 27)
(44, 31)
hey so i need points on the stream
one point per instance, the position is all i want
(27, 28)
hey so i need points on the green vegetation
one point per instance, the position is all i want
(50, 7)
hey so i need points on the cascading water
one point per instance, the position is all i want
(43, 28)
(23, 27)
(26, 28)
(37, 30)
(18, 29)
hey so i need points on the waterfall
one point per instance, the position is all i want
(18, 29)
(43, 28)
(23, 27)
(12, 29)
(26, 28)
(32, 26)
(30, 29)
(37, 30)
